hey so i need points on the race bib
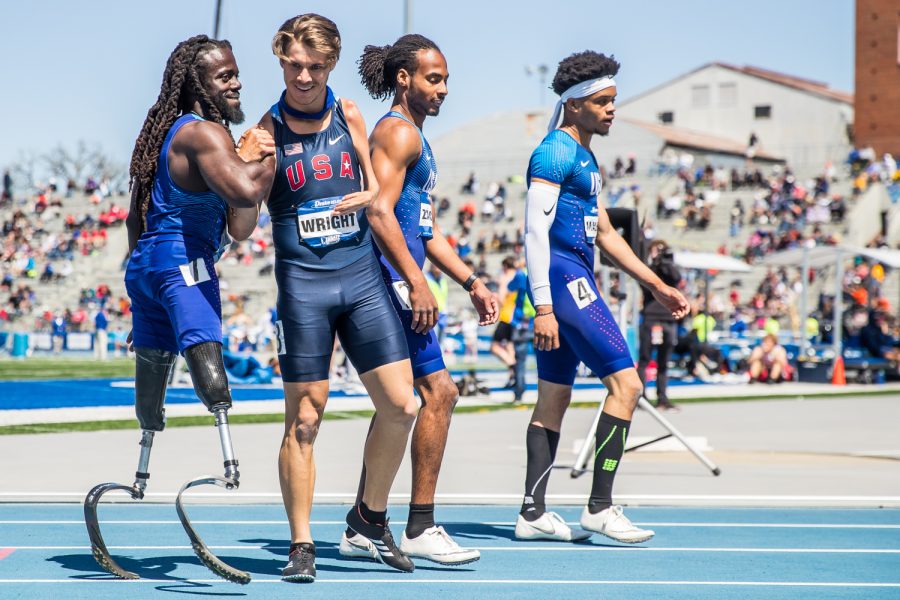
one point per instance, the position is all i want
(279, 338)
(656, 335)
(426, 220)
(590, 225)
(401, 289)
(195, 272)
(319, 227)
(581, 292)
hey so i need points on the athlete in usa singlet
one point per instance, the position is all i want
(329, 281)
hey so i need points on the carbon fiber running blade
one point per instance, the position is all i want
(210, 560)
(98, 547)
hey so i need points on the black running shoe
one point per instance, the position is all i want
(381, 538)
(301, 567)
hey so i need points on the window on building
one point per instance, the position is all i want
(727, 95)
(666, 117)
(762, 111)
(700, 96)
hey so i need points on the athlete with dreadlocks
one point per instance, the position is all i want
(188, 184)
(329, 283)
(414, 72)
(563, 222)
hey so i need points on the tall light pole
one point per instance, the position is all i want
(217, 20)
(541, 72)
(407, 16)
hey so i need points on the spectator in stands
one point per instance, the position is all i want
(658, 330)
(439, 285)
(470, 187)
(101, 336)
(7, 188)
(877, 339)
(769, 362)
(702, 357)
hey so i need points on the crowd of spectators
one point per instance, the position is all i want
(43, 234)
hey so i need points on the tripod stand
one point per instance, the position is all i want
(580, 466)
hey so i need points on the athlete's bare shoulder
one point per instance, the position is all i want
(399, 136)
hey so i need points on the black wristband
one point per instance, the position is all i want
(468, 283)
(543, 314)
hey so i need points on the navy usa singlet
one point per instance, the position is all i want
(329, 281)
(315, 171)
(414, 214)
(587, 331)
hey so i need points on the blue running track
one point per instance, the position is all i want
(698, 553)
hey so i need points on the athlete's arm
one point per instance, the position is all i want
(255, 144)
(441, 253)
(208, 146)
(370, 188)
(242, 222)
(620, 253)
(395, 145)
(540, 211)
(133, 222)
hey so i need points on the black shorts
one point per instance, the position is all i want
(351, 302)
(503, 332)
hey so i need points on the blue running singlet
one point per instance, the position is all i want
(414, 214)
(171, 278)
(587, 331)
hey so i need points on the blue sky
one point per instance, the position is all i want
(90, 70)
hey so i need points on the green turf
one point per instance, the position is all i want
(62, 368)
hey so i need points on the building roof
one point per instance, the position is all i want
(807, 85)
(686, 138)
(798, 83)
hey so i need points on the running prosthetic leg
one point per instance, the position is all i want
(230, 481)
(211, 384)
(151, 375)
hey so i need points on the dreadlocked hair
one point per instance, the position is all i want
(182, 79)
(379, 65)
(583, 66)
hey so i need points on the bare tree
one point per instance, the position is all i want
(24, 170)
(82, 162)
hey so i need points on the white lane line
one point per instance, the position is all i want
(488, 523)
(526, 548)
(515, 498)
(397, 581)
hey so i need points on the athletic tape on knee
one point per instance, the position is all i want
(208, 374)
(152, 370)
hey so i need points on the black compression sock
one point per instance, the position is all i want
(421, 517)
(541, 444)
(372, 516)
(611, 435)
(349, 533)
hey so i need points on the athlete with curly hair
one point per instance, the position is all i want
(563, 223)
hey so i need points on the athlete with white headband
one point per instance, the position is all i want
(563, 223)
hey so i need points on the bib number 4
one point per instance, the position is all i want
(581, 292)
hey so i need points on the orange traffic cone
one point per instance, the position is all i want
(837, 375)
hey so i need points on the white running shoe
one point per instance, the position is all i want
(436, 545)
(357, 546)
(549, 526)
(613, 523)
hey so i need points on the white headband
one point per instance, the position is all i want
(579, 90)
